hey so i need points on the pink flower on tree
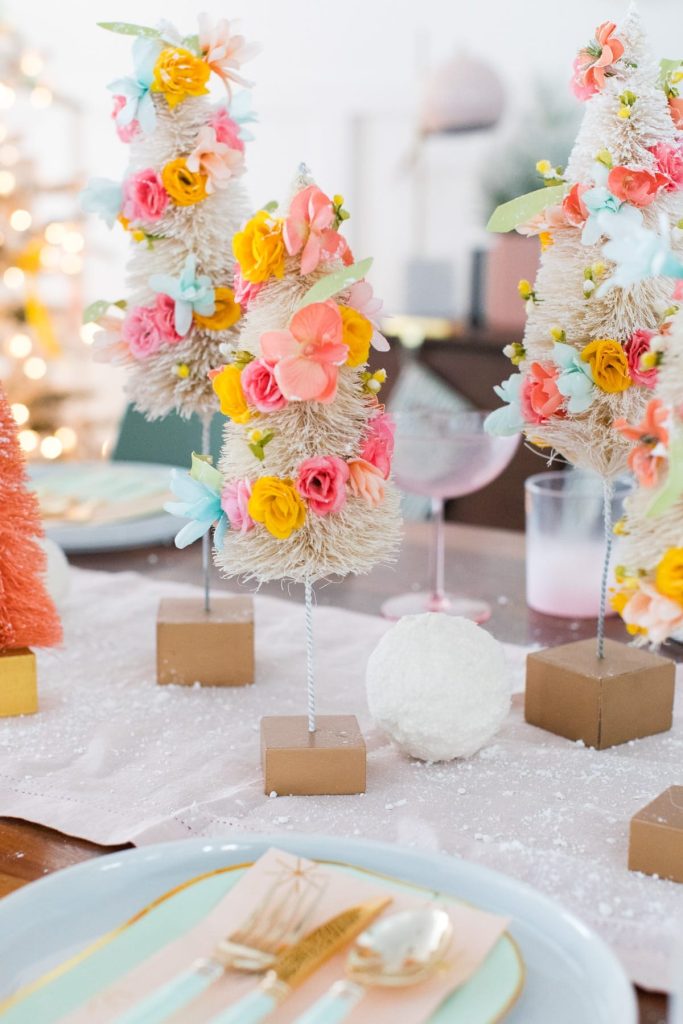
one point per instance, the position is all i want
(125, 132)
(245, 291)
(260, 387)
(676, 111)
(227, 130)
(140, 332)
(224, 52)
(573, 206)
(651, 611)
(635, 186)
(540, 398)
(361, 297)
(163, 314)
(322, 483)
(144, 196)
(596, 61)
(669, 163)
(636, 347)
(378, 447)
(308, 355)
(217, 160)
(235, 503)
(366, 481)
(308, 230)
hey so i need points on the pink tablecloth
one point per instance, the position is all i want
(112, 757)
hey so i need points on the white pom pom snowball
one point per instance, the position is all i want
(438, 685)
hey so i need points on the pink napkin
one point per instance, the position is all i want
(475, 931)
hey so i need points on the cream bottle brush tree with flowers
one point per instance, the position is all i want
(581, 364)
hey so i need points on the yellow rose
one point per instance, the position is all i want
(178, 73)
(669, 577)
(228, 387)
(278, 505)
(226, 314)
(609, 365)
(356, 333)
(260, 249)
(183, 186)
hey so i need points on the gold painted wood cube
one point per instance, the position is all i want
(656, 836)
(329, 762)
(624, 696)
(213, 648)
(18, 683)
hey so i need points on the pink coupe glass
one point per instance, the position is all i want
(444, 455)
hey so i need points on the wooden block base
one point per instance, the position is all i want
(656, 837)
(18, 683)
(213, 649)
(625, 696)
(330, 761)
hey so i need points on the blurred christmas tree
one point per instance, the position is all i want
(41, 347)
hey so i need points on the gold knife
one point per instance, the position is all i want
(298, 962)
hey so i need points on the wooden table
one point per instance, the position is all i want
(480, 562)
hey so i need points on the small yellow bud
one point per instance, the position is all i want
(546, 240)
(183, 370)
(380, 375)
(649, 360)
(524, 288)
(598, 269)
(543, 166)
(620, 528)
(338, 200)
(255, 436)
(603, 156)
(557, 334)
(677, 76)
(624, 113)
(373, 385)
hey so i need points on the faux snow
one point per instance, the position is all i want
(438, 685)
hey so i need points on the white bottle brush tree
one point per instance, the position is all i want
(181, 200)
(583, 362)
(307, 452)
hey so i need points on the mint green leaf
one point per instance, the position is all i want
(518, 211)
(257, 450)
(205, 473)
(98, 308)
(666, 68)
(125, 28)
(191, 43)
(270, 207)
(335, 282)
(672, 488)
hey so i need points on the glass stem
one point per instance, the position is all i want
(438, 598)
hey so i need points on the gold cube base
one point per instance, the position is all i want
(213, 648)
(329, 762)
(18, 683)
(624, 696)
(656, 838)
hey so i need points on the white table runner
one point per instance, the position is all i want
(113, 757)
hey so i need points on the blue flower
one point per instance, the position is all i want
(103, 197)
(638, 253)
(508, 419)
(241, 113)
(606, 214)
(135, 88)
(190, 292)
(575, 381)
(200, 502)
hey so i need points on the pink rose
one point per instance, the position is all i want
(322, 483)
(670, 163)
(164, 318)
(378, 447)
(366, 481)
(144, 196)
(245, 291)
(235, 503)
(227, 130)
(141, 333)
(540, 398)
(260, 387)
(636, 346)
(635, 186)
(126, 132)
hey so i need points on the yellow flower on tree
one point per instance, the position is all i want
(228, 387)
(178, 74)
(278, 505)
(259, 248)
(226, 314)
(609, 365)
(356, 333)
(669, 575)
(183, 186)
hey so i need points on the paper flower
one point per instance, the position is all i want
(378, 446)
(163, 314)
(366, 481)
(185, 187)
(609, 365)
(508, 418)
(260, 387)
(308, 229)
(199, 492)
(141, 333)
(638, 187)
(179, 74)
(649, 612)
(676, 111)
(573, 206)
(669, 159)
(192, 293)
(648, 456)
(259, 248)
(226, 313)
(669, 575)
(235, 503)
(226, 129)
(225, 52)
(138, 105)
(322, 483)
(606, 214)
(596, 61)
(144, 196)
(357, 334)
(103, 197)
(245, 291)
(228, 386)
(126, 132)
(635, 348)
(575, 381)
(278, 505)
(539, 397)
(361, 297)
(308, 355)
(218, 161)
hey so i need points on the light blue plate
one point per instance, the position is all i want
(570, 974)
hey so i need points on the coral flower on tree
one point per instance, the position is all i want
(307, 356)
